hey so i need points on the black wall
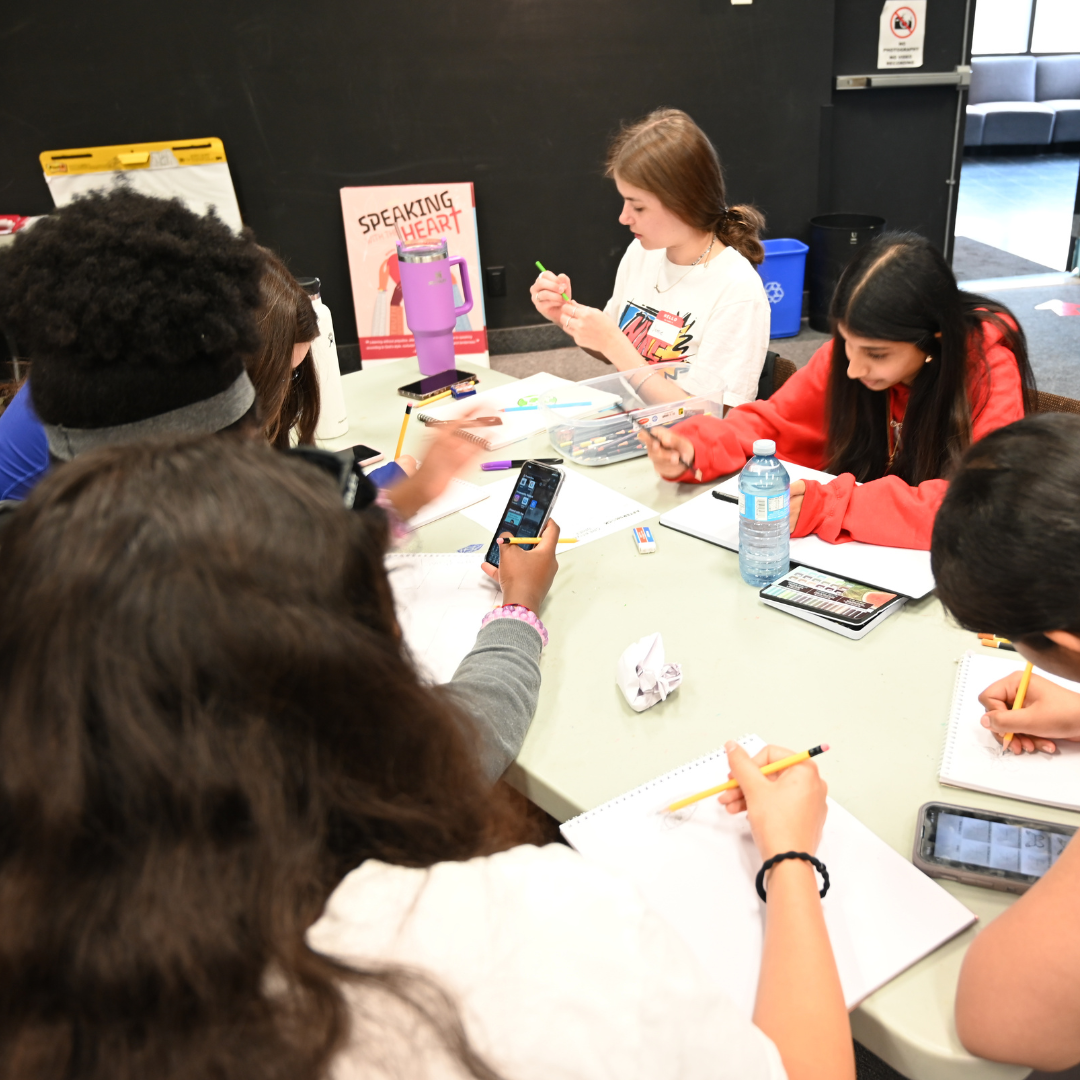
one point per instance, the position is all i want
(889, 151)
(519, 96)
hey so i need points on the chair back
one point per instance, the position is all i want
(1045, 402)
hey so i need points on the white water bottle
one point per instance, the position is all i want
(333, 416)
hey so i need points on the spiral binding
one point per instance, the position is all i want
(954, 716)
(628, 795)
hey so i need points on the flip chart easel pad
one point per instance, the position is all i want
(584, 509)
(696, 868)
(972, 757)
(440, 601)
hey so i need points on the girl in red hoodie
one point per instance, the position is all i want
(916, 371)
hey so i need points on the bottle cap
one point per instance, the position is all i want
(764, 448)
(311, 285)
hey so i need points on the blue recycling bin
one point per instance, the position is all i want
(782, 274)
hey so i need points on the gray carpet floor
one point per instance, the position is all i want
(973, 260)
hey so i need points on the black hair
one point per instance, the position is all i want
(1006, 544)
(899, 288)
(129, 307)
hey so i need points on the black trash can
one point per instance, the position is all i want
(833, 241)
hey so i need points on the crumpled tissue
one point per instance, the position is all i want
(643, 676)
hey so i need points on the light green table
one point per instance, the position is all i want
(882, 702)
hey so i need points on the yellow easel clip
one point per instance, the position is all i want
(133, 159)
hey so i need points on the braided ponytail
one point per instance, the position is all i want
(668, 155)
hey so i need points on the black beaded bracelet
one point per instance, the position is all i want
(766, 866)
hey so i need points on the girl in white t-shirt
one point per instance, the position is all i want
(244, 839)
(686, 288)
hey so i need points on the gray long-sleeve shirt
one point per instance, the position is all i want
(498, 683)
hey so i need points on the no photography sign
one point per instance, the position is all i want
(900, 34)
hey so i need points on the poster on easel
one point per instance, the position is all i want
(421, 212)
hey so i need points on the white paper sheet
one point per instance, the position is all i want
(440, 601)
(458, 495)
(900, 570)
(584, 508)
(697, 867)
(973, 758)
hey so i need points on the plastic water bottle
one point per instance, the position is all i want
(764, 516)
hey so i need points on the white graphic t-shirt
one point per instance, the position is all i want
(714, 316)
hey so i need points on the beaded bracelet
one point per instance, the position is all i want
(770, 863)
(519, 612)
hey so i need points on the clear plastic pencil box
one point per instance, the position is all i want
(608, 433)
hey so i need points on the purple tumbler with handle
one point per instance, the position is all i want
(427, 290)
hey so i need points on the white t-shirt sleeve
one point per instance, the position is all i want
(732, 350)
(558, 969)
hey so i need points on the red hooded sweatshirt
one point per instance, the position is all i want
(886, 511)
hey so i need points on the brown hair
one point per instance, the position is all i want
(668, 155)
(288, 396)
(900, 288)
(206, 719)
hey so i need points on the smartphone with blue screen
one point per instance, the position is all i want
(529, 506)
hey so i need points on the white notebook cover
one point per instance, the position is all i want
(900, 570)
(697, 868)
(518, 425)
(972, 757)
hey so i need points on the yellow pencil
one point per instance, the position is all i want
(534, 540)
(1018, 703)
(436, 397)
(776, 766)
(404, 425)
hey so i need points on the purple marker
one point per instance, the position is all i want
(517, 463)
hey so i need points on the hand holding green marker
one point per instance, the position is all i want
(543, 270)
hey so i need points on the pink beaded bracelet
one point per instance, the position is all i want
(522, 614)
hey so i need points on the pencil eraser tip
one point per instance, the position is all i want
(824, 747)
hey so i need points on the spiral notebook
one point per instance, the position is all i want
(696, 868)
(972, 757)
(525, 392)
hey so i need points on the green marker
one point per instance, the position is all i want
(543, 270)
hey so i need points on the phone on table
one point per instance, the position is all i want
(430, 385)
(529, 506)
(980, 847)
(366, 455)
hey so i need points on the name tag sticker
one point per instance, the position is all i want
(665, 327)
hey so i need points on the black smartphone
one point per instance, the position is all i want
(430, 385)
(366, 455)
(529, 506)
(981, 847)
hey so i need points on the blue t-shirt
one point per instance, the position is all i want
(24, 450)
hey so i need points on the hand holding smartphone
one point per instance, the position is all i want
(525, 572)
(529, 506)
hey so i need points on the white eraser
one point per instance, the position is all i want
(643, 537)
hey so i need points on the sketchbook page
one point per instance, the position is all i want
(973, 758)
(730, 487)
(584, 509)
(440, 601)
(900, 570)
(518, 425)
(458, 495)
(696, 868)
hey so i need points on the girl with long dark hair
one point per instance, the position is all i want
(916, 372)
(686, 288)
(283, 369)
(208, 720)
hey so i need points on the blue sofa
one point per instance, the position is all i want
(1023, 101)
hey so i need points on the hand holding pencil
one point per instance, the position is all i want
(1049, 714)
(786, 810)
